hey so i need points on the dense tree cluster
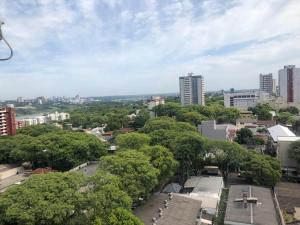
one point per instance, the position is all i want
(262, 111)
(61, 150)
(67, 198)
(226, 155)
(112, 114)
(138, 176)
(194, 114)
(155, 162)
(284, 118)
(292, 110)
(261, 169)
(38, 130)
(245, 137)
(166, 146)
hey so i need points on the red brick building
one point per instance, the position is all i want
(7, 121)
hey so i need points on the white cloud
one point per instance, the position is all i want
(145, 44)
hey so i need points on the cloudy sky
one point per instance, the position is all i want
(115, 47)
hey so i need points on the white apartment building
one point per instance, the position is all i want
(289, 83)
(45, 119)
(282, 137)
(155, 101)
(192, 90)
(266, 83)
(244, 99)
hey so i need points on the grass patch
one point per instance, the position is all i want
(219, 220)
(288, 217)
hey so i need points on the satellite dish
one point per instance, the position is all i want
(4, 40)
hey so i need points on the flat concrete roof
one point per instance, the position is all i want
(261, 213)
(180, 211)
(207, 186)
(280, 131)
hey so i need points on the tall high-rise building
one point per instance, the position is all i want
(7, 121)
(274, 87)
(266, 83)
(289, 83)
(192, 90)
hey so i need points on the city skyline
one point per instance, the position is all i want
(104, 48)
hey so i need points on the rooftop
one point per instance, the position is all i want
(180, 211)
(288, 138)
(261, 212)
(280, 131)
(172, 188)
(207, 186)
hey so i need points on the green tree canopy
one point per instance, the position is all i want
(162, 159)
(188, 149)
(37, 130)
(61, 150)
(163, 137)
(261, 169)
(227, 155)
(168, 124)
(262, 111)
(292, 110)
(243, 136)
(169, 109)
(43, 199)
(122, 216)
(132, 140)
(137, 174)
(284, 118)
(67, 149)
(193, 117)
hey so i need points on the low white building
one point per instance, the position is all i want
(283, 145)
(206, 189)
(58, 116)
(51, 117)
(244, 99)
(155, 101)
(283, 137)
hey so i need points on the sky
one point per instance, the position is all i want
(121, 47)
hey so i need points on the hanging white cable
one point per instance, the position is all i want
(8, 45)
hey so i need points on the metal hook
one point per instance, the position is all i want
(8, 45)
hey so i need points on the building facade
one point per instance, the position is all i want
(7, 121)
(155, 101)
(52, 117)
(192, 90)
(266, 83)
(244, 99)
(289, 83)
(215, 131)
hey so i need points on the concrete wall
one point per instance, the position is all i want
(208, 129)
(282, 154)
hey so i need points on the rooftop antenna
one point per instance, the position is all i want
(8, 45)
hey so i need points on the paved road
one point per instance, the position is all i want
(89, 170)
(7, 182)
